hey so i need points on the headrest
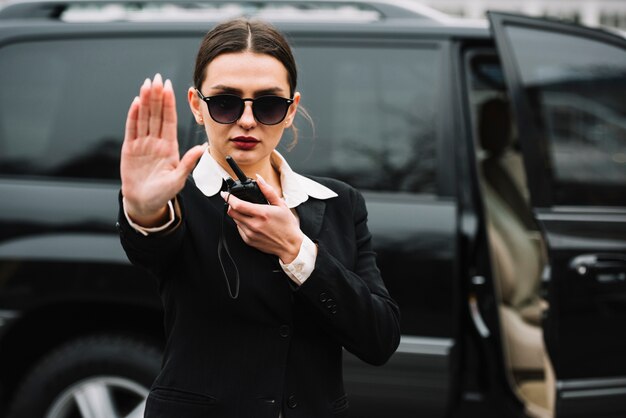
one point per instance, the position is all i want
(494, 126)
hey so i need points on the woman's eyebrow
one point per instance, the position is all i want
(232, 90)
(271, 90)
(225, 89)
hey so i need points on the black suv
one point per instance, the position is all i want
(493, 162)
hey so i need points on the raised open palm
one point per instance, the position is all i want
(151, 169)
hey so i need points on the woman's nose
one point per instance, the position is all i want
(247, 120)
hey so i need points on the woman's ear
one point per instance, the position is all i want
(291, 114)
(195, 104)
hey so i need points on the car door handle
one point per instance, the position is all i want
(599, 263)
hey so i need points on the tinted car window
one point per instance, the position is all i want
(374, 112)
(580, 97)
(64, 102)
(373, 108)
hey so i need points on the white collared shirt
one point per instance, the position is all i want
(208, 176)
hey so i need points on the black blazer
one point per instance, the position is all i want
(277, 347)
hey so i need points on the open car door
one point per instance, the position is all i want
(567, 86)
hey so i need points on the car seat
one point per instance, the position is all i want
(517, 257)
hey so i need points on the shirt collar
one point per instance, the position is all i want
(297, 189)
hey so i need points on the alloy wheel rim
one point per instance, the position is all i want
(101, 397)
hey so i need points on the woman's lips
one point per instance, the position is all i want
(245, 142)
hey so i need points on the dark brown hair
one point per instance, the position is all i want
(243, 35)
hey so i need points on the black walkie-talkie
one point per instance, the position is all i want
(245, 188)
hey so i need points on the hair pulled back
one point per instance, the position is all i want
(244, 35)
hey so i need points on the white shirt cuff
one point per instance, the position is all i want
(301, 268)
(146, 231)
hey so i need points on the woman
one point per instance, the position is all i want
(258, 330)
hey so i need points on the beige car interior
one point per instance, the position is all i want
(518, 258)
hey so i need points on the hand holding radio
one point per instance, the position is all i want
(270, 226)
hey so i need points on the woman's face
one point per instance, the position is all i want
(247, 75)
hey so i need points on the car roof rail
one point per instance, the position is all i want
(188, 10)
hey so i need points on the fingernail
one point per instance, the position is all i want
(261, 179)
(146, 82)
(223, 194)
(136, 99)
(157, 77)
(168, 84)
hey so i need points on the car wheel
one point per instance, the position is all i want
(99, 376)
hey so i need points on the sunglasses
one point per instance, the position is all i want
(228, 108)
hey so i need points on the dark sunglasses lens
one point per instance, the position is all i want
(225, 108)
(270, 110)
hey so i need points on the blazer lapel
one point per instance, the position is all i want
(311, 214)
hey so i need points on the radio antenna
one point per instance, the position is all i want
(242, 177)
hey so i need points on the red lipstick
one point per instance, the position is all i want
(245, 142)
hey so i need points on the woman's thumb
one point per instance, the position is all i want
(269, 192)
(189, 160)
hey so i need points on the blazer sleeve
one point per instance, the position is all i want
(355, 305)
(155, 251)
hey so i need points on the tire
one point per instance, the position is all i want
(108, 374)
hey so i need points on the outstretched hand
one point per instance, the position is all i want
(151, 169)
(271, 228)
